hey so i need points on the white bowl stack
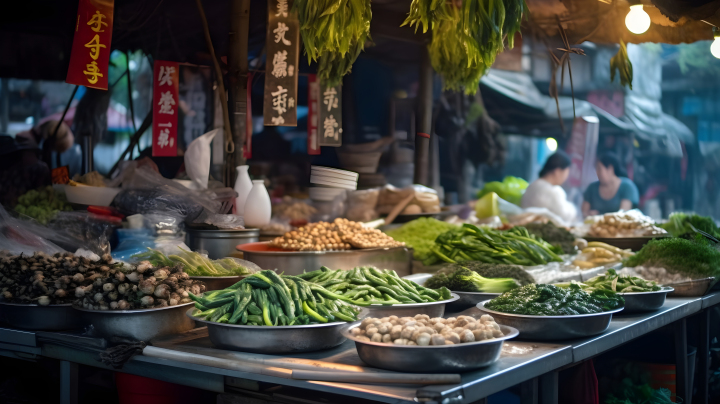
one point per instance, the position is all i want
(330, 182)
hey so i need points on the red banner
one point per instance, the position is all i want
(91, 44)
(247, 149)
(165, 108)
(313, 109)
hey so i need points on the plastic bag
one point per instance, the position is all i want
(361, 205)
(17, 239)
(510, 189)
(81, 230)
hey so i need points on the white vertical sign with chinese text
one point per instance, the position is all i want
(166, 77)
(330, 116)
(282, 44)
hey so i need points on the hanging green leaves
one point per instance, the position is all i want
(468, 37)
(334, 33)
(621, 63)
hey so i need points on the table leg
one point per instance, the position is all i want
(68, 382)
(529, 392)
(704, 356)
(548, 386)
(681, 369)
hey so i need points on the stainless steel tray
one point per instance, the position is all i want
(141, 325)
(469, 299)
(644, 301)
(274, 340)
(218, 282)
(432, 359)
(398, 259)
(34, 317)
(693, 288)
(433, 309)
(544, 328)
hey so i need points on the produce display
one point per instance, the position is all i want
(142, 286)
(364, 286)
(598, 254)
(550, 300)
(195, 264)
(420, 234)
(693, 259)
(446, 276)
(471, 243)
(293, 210)
(556, 236)
(42, 204)
(614, 282)
(681, 224)
(624, 224)
(268, 299)
(342, 234)
(422, 330)
(48, 279)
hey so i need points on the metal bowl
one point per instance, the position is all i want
(34, 317)
(218, 282)
(469, 299)
(294, 262)
(693, 288)
(432, 359)
(432, 309)
(645, 301)
(219, 243)
(544, 328)
(141, 325)
(274, 340)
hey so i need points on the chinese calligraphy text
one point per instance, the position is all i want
(165, 104)
(91, 44)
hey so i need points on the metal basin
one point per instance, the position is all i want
(40, 318)
(469, 299)
(141, 325)
(220, 243)
(544, 328)
(433, 309)
(274, 340)
(432, 359)
(644, 301)
(398, 259)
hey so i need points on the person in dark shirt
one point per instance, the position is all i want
(613, 191)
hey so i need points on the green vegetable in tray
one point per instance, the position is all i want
(420, 234)
(680, 224)
(194, 264)
(471, 243)
(510, 189)
(695, 259)
(268, 299)
(550, 300)
(364, 286)
(42, 204)
(616, 283)
(443, 277)
(556, 236)
(469, 281)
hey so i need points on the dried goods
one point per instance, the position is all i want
(422, 330)
(341, 234)
(624, 224)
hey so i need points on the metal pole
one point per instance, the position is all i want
(5, 105)
(238, 65)
(424, 120)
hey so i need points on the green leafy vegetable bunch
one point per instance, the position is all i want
(550, 300)
(446, 276)
(420, 234)
(695, 259)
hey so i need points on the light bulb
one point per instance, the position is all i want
(551, 144)
(637, 20)
(715, 47)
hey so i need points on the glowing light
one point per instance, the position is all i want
(715, 47)
(551, 144)
(637, 20)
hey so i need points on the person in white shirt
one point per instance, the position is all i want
(546, 191)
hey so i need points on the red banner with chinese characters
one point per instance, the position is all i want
(91, 44)
(312, 130)
(165, 108)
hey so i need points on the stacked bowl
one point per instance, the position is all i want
(328, 183)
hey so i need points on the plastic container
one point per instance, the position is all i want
(99, 196)
(142, 390)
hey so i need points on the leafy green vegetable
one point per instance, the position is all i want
(442, 277)
(468, 281)
(194, 264)
(621, 63)
(679, 224)
(471, 243)
(334, 33)
(550, 300)
(557, 236)
(693, 258)
(420, 234)
(616, 283)
(510, 189)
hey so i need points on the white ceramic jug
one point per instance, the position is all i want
(243, 186)
(257, 206)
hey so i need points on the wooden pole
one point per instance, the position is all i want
(238, 65)
(424, 120)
